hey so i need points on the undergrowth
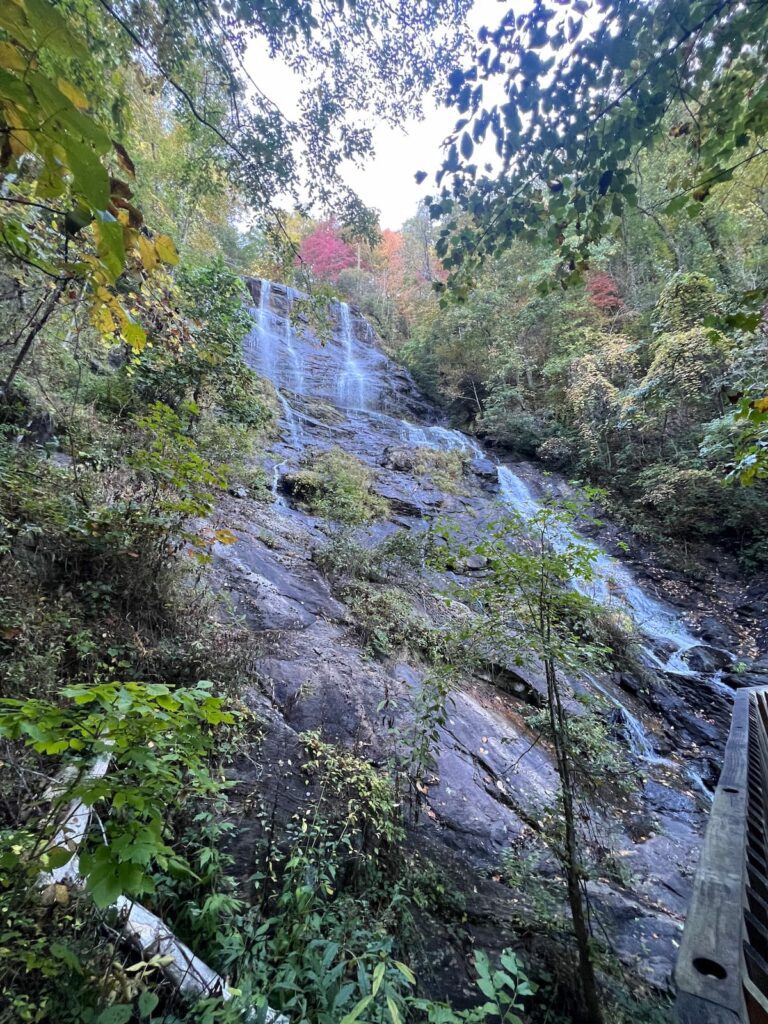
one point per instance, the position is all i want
(337, 486)
(113, 653)
(445, 470)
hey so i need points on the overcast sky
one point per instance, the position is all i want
(386, 182)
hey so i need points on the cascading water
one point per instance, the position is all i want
(351, 391)
(346, 375)
(271, 346)
(296, 368)
(291, 420)
(258, 348)
(613, 583)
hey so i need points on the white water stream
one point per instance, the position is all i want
(351, 391)
(613, 584)
(277, 354)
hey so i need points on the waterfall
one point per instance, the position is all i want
(296, 370)
(270, 340)
(259, 344)
(637, 737)
(640, 745)
(413, 435)
(351, 390)
(450, 440)
(614, 583)
(295, 432)
(347, 374)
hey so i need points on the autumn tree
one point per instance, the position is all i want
(324, 253)
(73, 84)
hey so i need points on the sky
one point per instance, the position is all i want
(386, 181)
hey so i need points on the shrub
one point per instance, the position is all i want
(522, 432)
(394, 558)
(337, 486)
(387, 621)
(445, 469)
(685, 302)
(557, 452)
(205, 377)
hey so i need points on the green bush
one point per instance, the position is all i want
(522, 432)
(337, 486)
(689, 503)
(396, 557)
(387, 621)
(445, 469)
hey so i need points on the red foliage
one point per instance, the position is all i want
(604, 293)
(326, 253)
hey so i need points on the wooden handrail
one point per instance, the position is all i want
(722, 966)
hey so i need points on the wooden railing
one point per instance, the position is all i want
(722, 966)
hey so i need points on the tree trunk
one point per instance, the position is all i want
(571, 861)
(39, 320)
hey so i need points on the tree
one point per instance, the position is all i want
(583, 98)
(65, 204)
(325, 253)
(530, 609)
(72, 84)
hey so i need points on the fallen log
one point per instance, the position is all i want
(139, 927)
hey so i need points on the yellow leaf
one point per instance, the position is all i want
(54, 893)
(73, 94)
(225, 537)
(102, 321)
(147, 253)
(135, 335)
(20, 140)
(11, 57)
(761, 404)
(166, 250)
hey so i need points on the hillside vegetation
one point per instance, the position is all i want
(595, 301)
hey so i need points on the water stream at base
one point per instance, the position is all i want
(614, 582)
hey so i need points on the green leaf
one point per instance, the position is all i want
(66, 955)
(111, 249)
(676, 204)
(378, 976)
(135, 336)
(357, 1010)
(406, 972)
(394, 1013)
(91, 180)
(147, 1003)
(120, 1013)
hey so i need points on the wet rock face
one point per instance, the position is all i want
(492, 776)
